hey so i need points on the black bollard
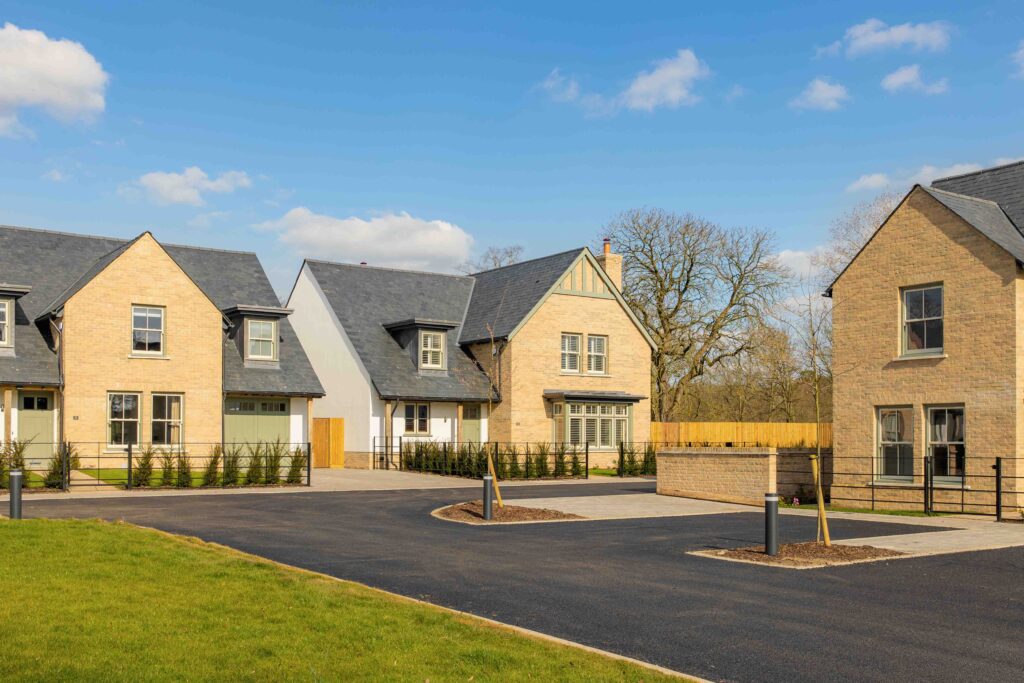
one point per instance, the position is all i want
(16, 479)
(771, 524)
(488, 497)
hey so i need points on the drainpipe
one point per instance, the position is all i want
(57, 330)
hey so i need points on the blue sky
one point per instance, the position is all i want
(415, 137)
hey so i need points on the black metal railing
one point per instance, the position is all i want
(510, 460)
(63, 466)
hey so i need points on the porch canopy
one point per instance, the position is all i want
(582, 396)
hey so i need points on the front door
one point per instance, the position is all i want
(471, 423)
(35, 425)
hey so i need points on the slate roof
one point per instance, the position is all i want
(366, 298)
(1001, 184)
(56, 265)
(986, 216)
(503, 297)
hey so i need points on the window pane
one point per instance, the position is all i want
(915, 304)
(606, 432)
(131, 432)
(575, 425)
(131, 407)
(174, 407)
(42, 403)
(424, 411)
(932, 302)
(915, 336)
(955, 424)
(159, 407)
(937, 433)
(117, 433)
(116, 406)
(160, 433)
(933, 333)
(591, 430)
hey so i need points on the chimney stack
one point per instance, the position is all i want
(611, 263)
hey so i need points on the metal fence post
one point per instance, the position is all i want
(927, 484)
(65, 466)
(128, 484)
(998, 467)
(488, 497)
(15, 479)
(771, 524)
(586, 458)
(622, 467)
(309, 463)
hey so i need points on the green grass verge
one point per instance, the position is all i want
(89, 600)
(119, 476)
(834, 508)
(604, 471)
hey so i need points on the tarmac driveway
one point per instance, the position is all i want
(628, 585)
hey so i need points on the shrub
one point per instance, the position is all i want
(632, 465)
(54, 478)
(16, 461)
(650, 464)
(514, 469)
(501, 465)
(166, 468)
(297, 466)
(577, 464)
(541, 468)
(142, 468)
(560, 462)
(275, 456)
(183, 471)
(232, 456)
(254, 474)
(3, 466)
(211, 475)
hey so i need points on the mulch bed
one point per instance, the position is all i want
(809, 554)
(473, 512)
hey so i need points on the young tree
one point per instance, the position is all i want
(698, 288)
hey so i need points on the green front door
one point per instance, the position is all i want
(35, 425)
(254, 420)
(471, 423)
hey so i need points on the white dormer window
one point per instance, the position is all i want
(432, 350)
(6, 322)
(261, 339)
(147, 330)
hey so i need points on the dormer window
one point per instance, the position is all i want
(432, 345)
(261, 339)
(6, 323)
(147, 330)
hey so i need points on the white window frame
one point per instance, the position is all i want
(930, 444)
(432, 348)
(7, 325)
(906, 321)
(882, 442)
(569, 354)
(180, 421)
(603, 425)
(146, 310)
(593, 356)
(111, 419)
(249, 339)
(421, 425)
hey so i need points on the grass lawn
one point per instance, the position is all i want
(88, 600)
(119, 477)
(836, 508)
(604, 471)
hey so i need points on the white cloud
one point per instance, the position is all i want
(735, 92)
(927, 173)
(1018, 60)
(868, 181)
(54, 175)
(58, 76)
(803, 263)
(1003, 161)
(669, 84)
(396, 240)
(909, 78)
(188, 186)
(206, 220)
(830, 50)
(875, 35)
(821, 94)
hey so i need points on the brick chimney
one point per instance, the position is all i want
(611, 263)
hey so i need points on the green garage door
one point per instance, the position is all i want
(251, 420)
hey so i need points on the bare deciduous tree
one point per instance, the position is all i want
(851, 231)
(493, 257)
(698, 288)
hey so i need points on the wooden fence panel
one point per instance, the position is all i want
(328, 442)
(778, 434)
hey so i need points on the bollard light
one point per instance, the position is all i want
(771, 524)
(488, 497)
(16, 480)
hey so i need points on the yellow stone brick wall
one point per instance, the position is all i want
(733, 475)
(923, 243)
(499, 368)
(533, 361)
(97, 347)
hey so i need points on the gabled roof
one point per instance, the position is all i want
(366, 299)
(987, 216)
(57, 264)
(504, 297)
(1003, 185)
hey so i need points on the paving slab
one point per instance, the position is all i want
(638, 506)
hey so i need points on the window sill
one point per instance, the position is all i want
(147, 356)
(910, 484)
(920, 356)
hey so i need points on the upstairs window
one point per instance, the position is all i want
(261, 339)
(432, 350)
(597, 355)
(570, 352)
(922, 320)
(6, 322)
(147, 330)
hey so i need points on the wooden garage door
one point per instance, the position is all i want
(256, 419)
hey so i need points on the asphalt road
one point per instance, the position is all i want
(628, 586)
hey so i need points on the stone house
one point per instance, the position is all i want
(106, 342)
(928, 348)
(543, 351)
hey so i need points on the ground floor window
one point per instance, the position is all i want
(417, 418)
(122, 419)
(946, 441)
(601, 425)
(896, 442)
(167, 419)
